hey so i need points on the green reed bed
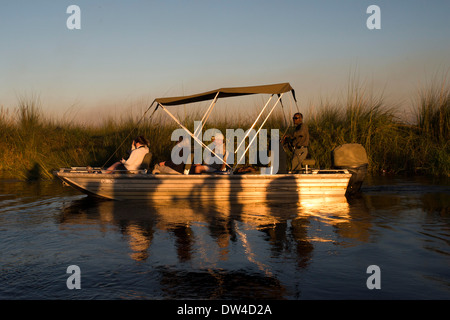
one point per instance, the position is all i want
(393, 145)
(34, 145)
(432, 131)
(359, 118)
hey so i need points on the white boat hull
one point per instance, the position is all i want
(207, 186)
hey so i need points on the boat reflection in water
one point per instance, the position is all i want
(208, 230)
(221, 246)
(307, 248)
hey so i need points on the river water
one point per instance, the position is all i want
(319, 248)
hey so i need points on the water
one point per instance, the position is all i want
(313, 249)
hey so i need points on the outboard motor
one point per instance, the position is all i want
(353, 157)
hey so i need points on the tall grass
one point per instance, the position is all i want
(392, 144)
(433, 127)
(433, 112)
(360, 118)
(33, 145)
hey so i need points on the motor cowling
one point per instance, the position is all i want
(353, 157)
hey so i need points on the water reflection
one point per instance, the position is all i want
(216, 246)
(306, 248)
(211, 228)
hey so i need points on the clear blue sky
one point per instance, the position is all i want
(128, 50)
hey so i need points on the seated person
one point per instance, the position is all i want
(213, 165)
(139, 149)
(169, 167)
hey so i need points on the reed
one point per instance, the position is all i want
(392, 144)
(34, 145)
(360, 118)
(432, 134)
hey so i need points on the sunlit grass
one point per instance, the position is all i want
(433, 127)
(33, 145)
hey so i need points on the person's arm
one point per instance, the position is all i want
(133, 159)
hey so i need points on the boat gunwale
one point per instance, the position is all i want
(145, 176)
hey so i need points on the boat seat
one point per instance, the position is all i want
(145, 165)
(308, 163)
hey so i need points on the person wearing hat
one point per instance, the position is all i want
(212, 162)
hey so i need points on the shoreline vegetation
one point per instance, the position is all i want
(33, 145)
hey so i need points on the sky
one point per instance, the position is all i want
(128, 53)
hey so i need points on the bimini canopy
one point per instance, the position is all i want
(228, 92)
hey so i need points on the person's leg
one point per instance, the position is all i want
(115, 166)
(156, 169)
(168, 170)
(199, 169)
(298, 156)
(164, 169)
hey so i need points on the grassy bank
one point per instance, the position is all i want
(392, 144)
(33, 144)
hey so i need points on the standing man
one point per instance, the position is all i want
(298, 142)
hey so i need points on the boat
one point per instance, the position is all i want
(231, 184)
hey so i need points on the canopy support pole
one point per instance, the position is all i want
(207, 113)
(253, 125)
(258, 131)
(192, 135)
(123, 141)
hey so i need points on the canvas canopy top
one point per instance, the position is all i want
(272, 89)
(227, 92)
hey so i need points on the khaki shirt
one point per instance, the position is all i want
(300, 137)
